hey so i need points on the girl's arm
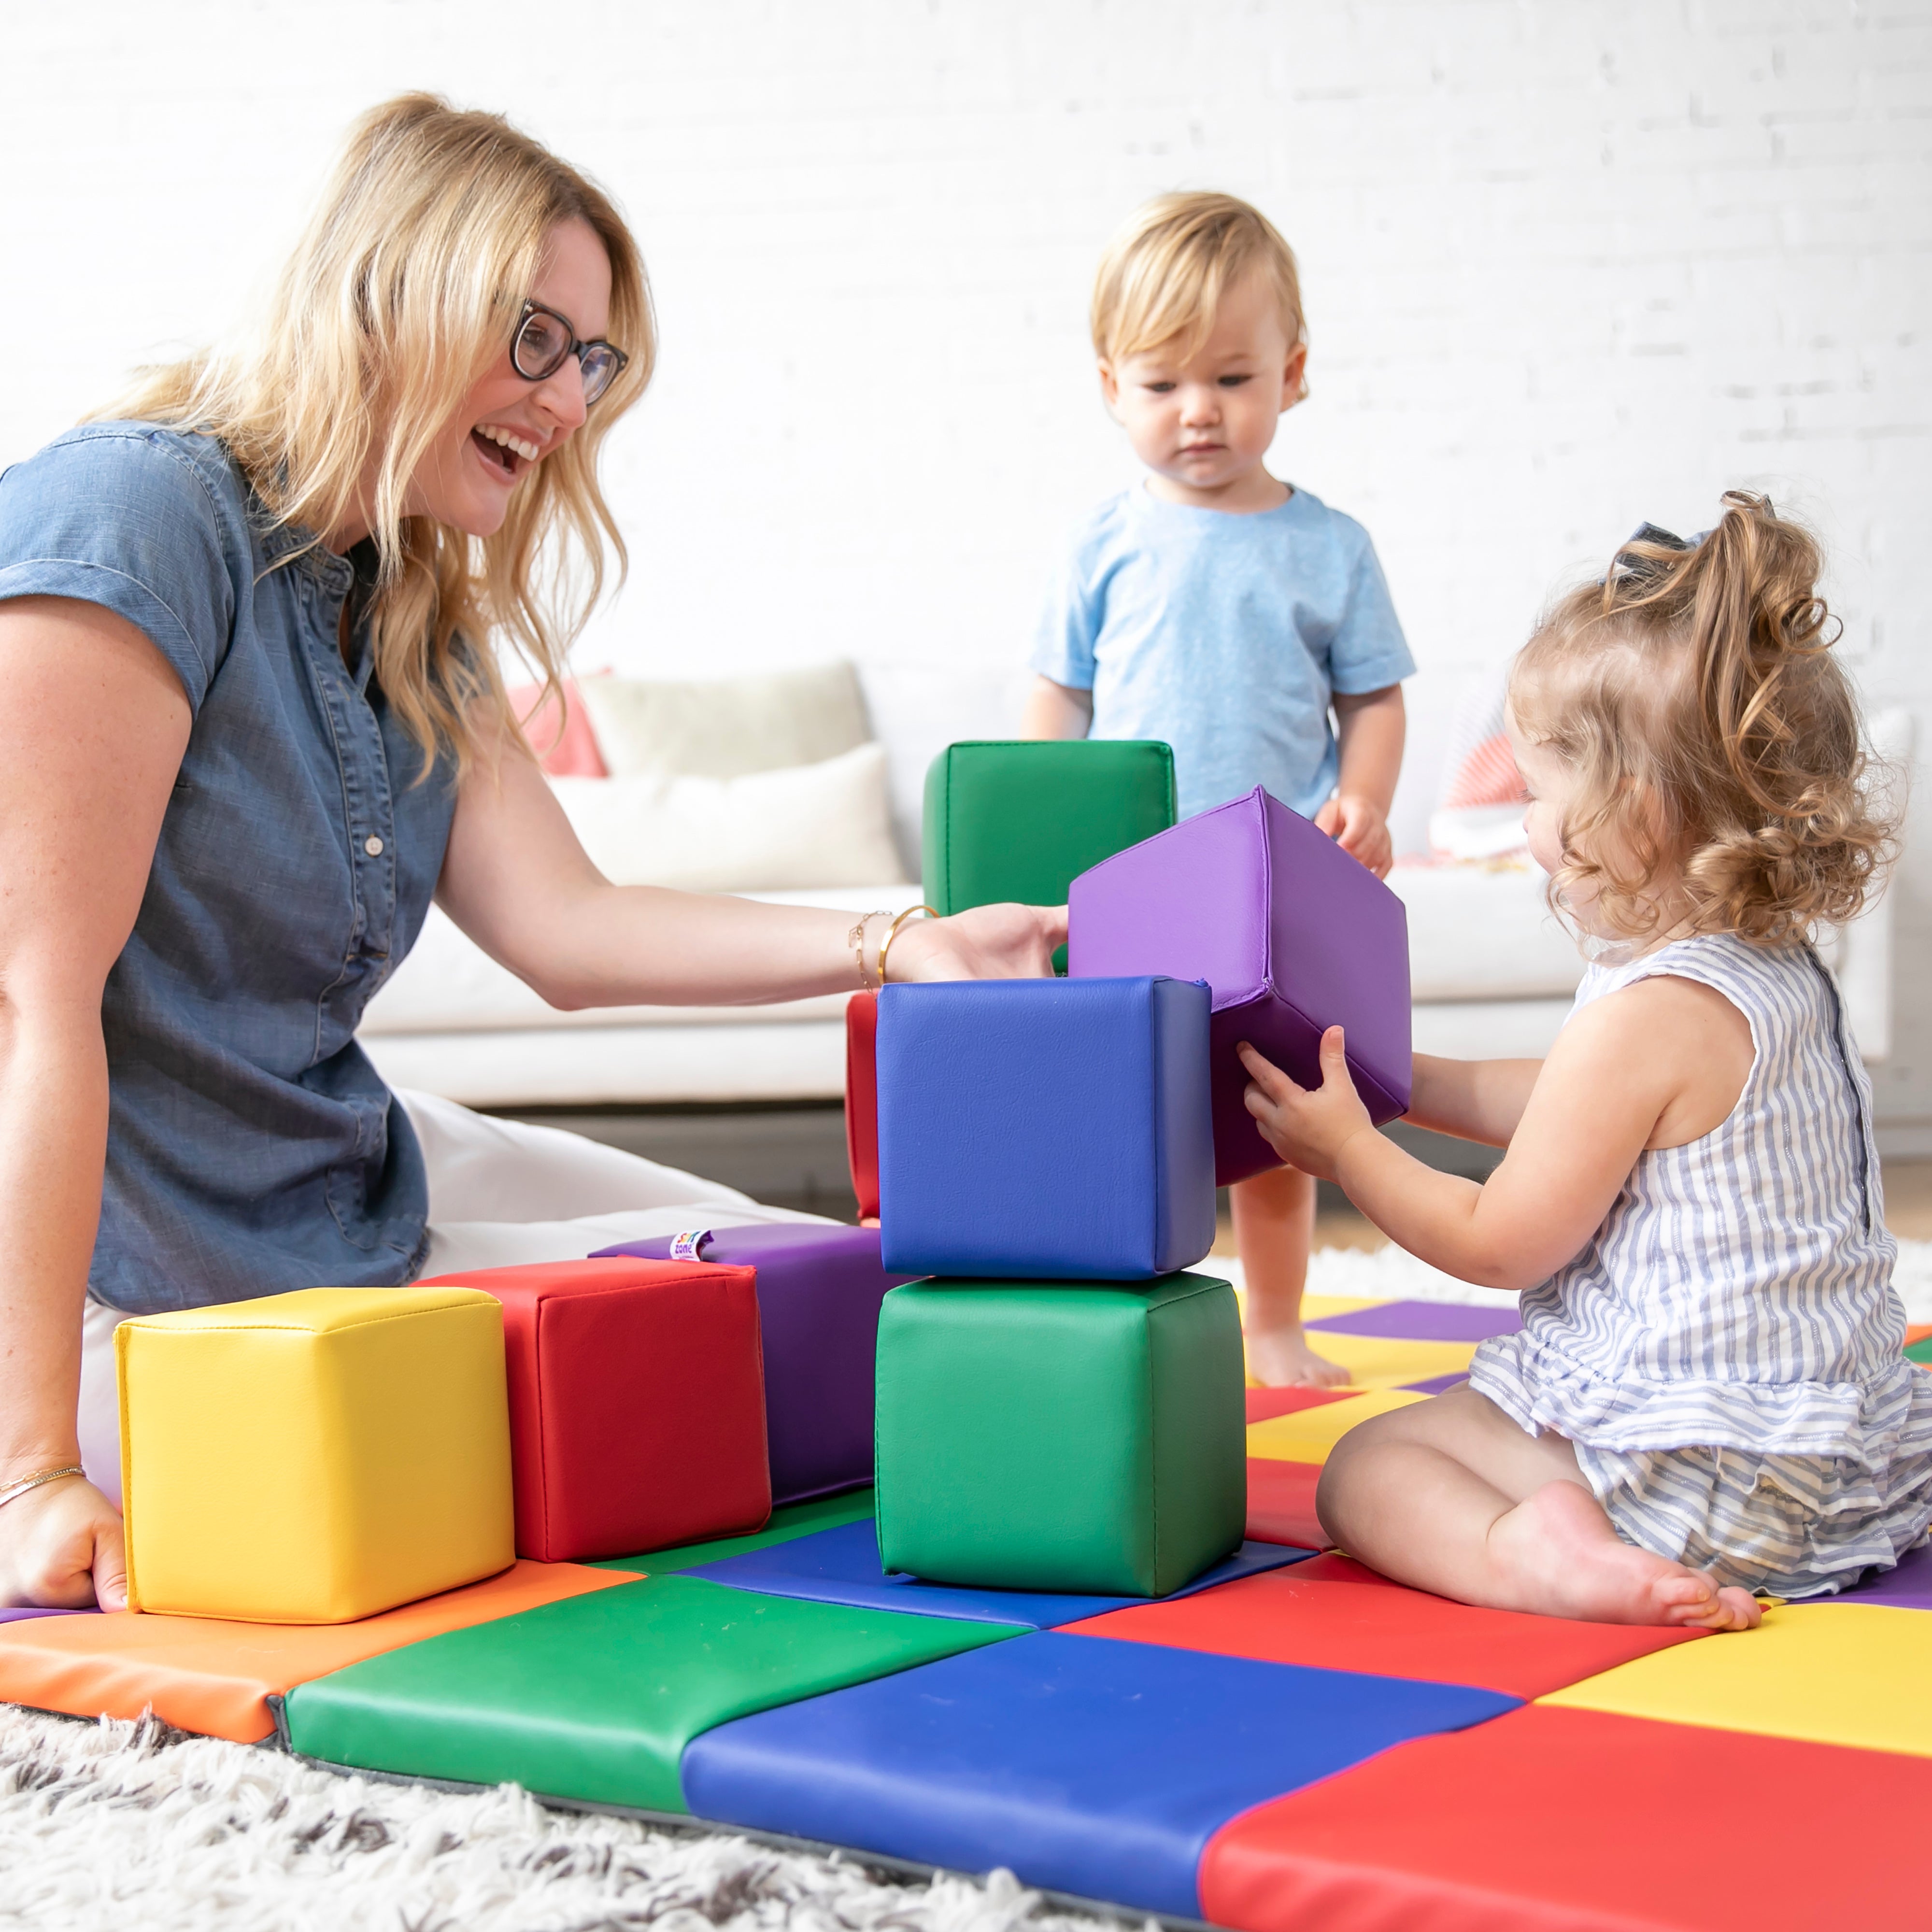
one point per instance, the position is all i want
(1659, 1064)
(1369, 728)
(91, 737)
(1056, 711)
(516, 879)
(1479, 1100)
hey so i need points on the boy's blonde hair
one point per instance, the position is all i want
(1165, 273)
(406, 287)
(1693, 694)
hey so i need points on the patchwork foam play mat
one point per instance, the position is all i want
(1291, 1742)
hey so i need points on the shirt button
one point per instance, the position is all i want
(372, 846)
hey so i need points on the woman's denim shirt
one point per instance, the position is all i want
(251, 1147)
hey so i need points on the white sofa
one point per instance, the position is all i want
(1492, 974)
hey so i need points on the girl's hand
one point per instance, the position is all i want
(989, 942)
(1308, 1129)
(61, 1548)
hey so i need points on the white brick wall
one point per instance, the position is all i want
(1569, 264)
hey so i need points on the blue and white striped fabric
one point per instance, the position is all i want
(1725, 1353)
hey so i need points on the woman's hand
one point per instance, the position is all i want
(1308, 1129)
(61, 1548)
(989, 942)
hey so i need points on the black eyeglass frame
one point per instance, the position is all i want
(574, 346)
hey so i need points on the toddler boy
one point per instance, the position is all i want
(1226, 612)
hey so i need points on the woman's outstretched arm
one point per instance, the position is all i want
(91, 738)
(516, 880)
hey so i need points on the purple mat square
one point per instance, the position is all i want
(1909, 1587)
(17, 1616)
(1436, 1384)
(1423, 1321)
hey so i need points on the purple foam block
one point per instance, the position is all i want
(1909, 1587)
(819, 1292)
(1292, 935)
(1423, 1321)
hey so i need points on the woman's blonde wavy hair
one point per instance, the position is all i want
(1713, 736)
(405, 287)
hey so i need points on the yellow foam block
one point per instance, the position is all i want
(315, 1457)
(1856, 1674)
(1307, 1434)
(1382, 1361)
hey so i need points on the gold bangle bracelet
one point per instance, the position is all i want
(910, 912)
(33, 1482)
(856, 939)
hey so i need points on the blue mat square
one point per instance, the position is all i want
(842, 1566)
(1084, 1764)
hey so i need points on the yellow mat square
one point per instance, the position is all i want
(1856, 1674)
(1383, 1361)
(1307, 1434)
(1319, 1307)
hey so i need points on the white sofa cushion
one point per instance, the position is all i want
(826, 824)
(1483, 932)
(724, 728)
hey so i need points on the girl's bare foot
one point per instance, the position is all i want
(1556, 1553)
(1281, 1358)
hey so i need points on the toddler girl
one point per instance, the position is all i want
(1707, 1398)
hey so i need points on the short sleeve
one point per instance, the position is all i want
(1069, 626)
(1369, 652)
(122, 518)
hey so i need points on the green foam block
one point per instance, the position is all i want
(1022, 819)
(596, 1697)
(1036, 1436)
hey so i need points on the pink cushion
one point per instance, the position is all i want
(566, 747)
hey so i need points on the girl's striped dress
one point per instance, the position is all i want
(1725, 1354)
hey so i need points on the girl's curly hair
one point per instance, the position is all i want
(1712, 733)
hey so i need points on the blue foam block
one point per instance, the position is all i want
(1084, 1764)
(1054, 1129)
(841, 1565)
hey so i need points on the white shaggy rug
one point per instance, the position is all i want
(109, 1826)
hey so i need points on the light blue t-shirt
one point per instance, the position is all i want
(1226, 635)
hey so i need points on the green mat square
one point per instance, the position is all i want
(1088, 1439)
(596, 1697)
(792, 1520)
(1021, 820)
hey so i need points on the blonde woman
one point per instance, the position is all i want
(255, 723)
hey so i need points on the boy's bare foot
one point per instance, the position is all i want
(1558, 1555)
(1281, 1358)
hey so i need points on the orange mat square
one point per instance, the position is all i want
(1303, 1615)
(1571, 1821)
(206, 1675)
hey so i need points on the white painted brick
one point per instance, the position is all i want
(1569, 264)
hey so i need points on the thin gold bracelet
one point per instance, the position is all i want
(910, 912)
(856, 939)
(33, 1482)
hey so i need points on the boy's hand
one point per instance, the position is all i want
(1308, 1129)
(1359, 826)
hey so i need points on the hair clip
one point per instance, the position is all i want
(1627, 568)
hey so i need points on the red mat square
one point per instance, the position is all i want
(1264, 1402)
(1549, 1820)
(1281, 1503)
(1382, 1630)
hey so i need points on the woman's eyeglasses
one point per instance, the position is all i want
(543, 338)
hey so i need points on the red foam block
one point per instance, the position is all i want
(636, 1403)
(1551, 1820)
(862, 1100)
(1380, 1629)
